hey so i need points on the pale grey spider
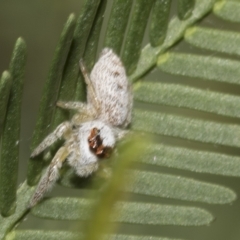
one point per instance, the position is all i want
(97, 125)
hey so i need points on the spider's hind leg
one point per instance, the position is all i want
(50, 177)
(91, 89)
(79, 106)
(63, 129)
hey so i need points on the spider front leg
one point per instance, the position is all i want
(50, 177)
(64, 129)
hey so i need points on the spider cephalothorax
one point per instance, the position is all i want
(93, 131)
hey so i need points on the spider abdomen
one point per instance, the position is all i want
(112, 89)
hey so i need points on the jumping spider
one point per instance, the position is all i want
(95, 128)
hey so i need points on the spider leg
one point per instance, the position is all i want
(50, 176)
(87, 79)
(79, 106)
(63, 129)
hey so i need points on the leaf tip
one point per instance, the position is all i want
(232, 196)
(6, 75)
(20, 42)
(72, 17)
(210, 218)
(10, 210)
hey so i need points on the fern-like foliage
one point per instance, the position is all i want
(196, 130)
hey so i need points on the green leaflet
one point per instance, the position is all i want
(135, 34)
(170, 186)
(130, 212)
(92, 43)
(40, 235)
(147, 213)
(176, 187)
(67, 235)
(11, 132)
(228, 10)
(159, 22)
(187, 128)
(132, 237)
(117, 24)
(197, 66)
(188, 97)
(193, 160)
(81, 34)
(217, 40)
(5, 87)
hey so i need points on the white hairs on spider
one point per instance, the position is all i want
(96, 127)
